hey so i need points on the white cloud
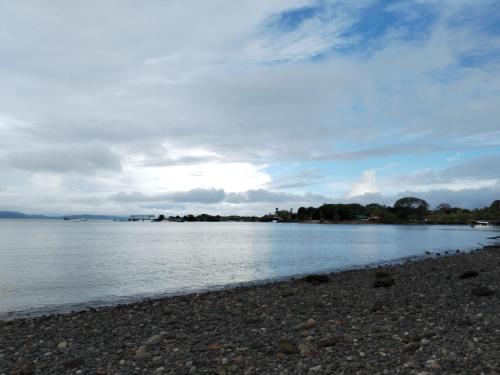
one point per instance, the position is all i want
(160, 59)
(367, 185)
(154, 84)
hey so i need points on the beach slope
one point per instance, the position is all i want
(438, 315)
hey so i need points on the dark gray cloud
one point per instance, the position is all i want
(307, 177)
(397, 149)
(213, 196)
(206, 196)
(79, 159)
(266, 196)
(481, 168)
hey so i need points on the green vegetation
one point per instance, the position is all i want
(405, 210)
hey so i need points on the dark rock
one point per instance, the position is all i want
(468, 274)
(74, 363)
(328, 341)
(23, 369)
(316, 279)
(377, 306)
(383, 282)
(310, 323)
(482, 291)
(382, 274)
(286, 346)
(412, 347)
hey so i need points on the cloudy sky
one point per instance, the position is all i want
(242, 106)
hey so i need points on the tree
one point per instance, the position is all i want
(411, 208)
(412, 203)
(443, 207)
(302, 214)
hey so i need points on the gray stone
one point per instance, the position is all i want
(305, 325)
(327, 341)
(286, 346)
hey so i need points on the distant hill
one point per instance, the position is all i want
(94, 217)
(21, 215)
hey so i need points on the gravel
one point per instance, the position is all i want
(433, 316)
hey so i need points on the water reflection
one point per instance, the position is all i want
(49, 262)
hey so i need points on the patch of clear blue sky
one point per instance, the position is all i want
(409, 21)
(371, 23)
(380, 17)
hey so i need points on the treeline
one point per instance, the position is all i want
(404, 210)
(208, 218)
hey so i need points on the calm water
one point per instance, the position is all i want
(51, 265)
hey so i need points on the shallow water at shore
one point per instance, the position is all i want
(50, 265)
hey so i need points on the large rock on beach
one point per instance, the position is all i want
(482, 291)
(468, 274)
(383, 282)
(74, 363)
(316, 279)
(381, 274)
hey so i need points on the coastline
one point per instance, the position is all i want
(429, 321)
(99, 304)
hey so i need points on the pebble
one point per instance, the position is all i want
(286, 346)
(310, 323)
(142, 354)
(314, 370)
(327, 341)
(432, 363)
(412, 347)
(62, 345)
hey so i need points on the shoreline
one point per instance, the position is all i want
(99, 304)
(430, 320)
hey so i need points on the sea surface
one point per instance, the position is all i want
(51, 266)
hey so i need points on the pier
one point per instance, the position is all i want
(141, 217)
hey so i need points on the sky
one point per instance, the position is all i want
(238, 107)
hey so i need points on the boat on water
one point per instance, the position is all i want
(485, 224)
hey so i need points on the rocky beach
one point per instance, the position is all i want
(439, 315)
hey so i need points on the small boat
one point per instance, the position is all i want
(484, 224)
